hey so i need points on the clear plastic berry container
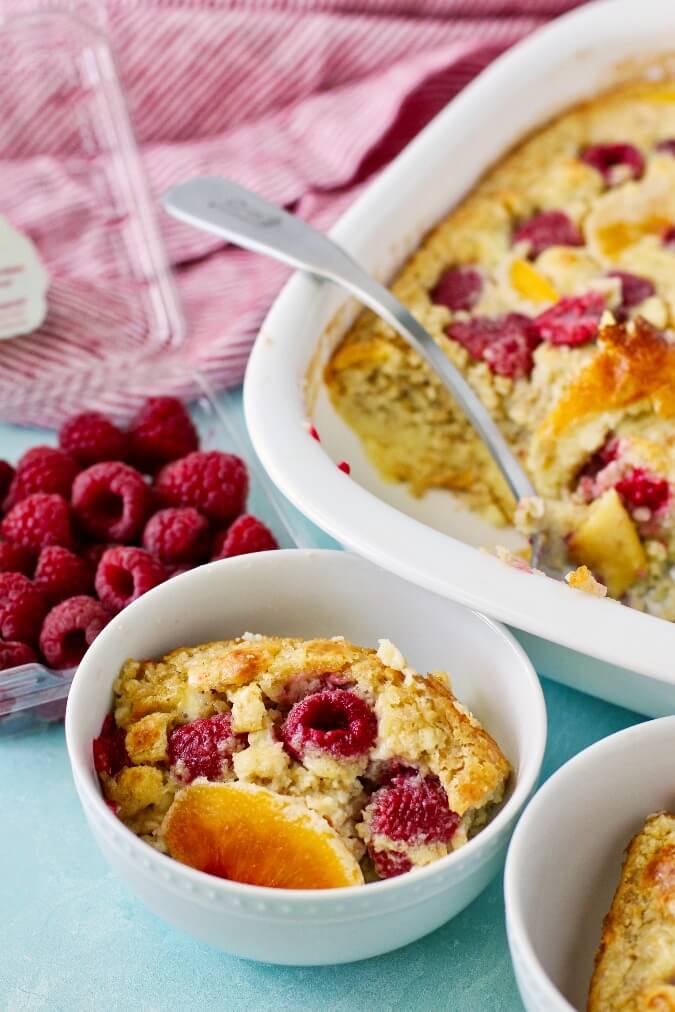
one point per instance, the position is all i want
(33, 693)
(72, 180)
(65, 131)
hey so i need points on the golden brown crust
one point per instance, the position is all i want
(632, 363)
(635, 964)
(257, 679)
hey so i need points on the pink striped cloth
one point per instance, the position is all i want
(302, 100)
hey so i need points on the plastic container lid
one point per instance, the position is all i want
(71, 178)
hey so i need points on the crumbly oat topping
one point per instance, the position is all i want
(582, 579)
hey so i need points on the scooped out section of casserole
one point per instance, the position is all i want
(552, 287)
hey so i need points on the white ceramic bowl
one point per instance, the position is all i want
(565, 858)
(567, 61)
(312, 593)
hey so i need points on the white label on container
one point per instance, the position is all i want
(23, 283)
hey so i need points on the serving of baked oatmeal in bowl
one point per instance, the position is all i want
(266, 784)
(529, 230)
(589, 880)
(373, 769)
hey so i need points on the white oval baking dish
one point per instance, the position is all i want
(569, 60)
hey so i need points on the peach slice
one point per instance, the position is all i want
(617, 236)
(529, 283)
(249, 834)
(606, 541)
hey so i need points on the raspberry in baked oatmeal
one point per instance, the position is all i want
(298, 764)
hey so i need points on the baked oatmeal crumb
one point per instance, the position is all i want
(515, 561)
(248, 709)
(582, 579)
(530, 510)
(390, 655)
(249, 688)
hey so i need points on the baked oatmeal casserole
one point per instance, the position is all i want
(296, 763)
(552, 286)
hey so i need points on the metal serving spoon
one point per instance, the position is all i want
(247, 220)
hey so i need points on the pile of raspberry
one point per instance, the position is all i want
(91, 525)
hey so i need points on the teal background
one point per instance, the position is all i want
(72, 937)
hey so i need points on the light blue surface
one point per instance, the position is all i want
(73, 938)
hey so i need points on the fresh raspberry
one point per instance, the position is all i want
(13, 653)
(458, 288)
(572, 321)
(203, 748)
(39, 520)
(22, 608)
(506, 343)
(614, 161)
(6, 475)
(214, 483)
(42, 469)
(71, 627)
(93, 552)
(161, 431)
(109, 749)
(172, 571)
(247, 534)
(336, 721)
(43, 451)
(390, 863)
(667, 147)
(124, 574)
(634, 290)
(177, 535)
(217, 545)
(413, 810)
(91, 438)
(638, 489)
(60, 574)
(15, 559)
(547, 228)
(668, 237)
(111, 500)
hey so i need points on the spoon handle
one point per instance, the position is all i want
(245, 219)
